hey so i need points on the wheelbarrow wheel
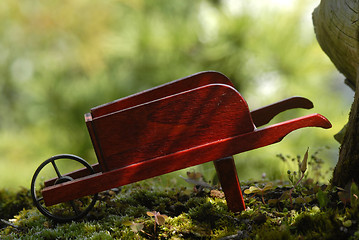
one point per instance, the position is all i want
(63, 212)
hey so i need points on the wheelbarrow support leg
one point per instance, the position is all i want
(227, 175)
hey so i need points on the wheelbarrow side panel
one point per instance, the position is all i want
(174, 87)
(179, 160)
(98, 151)
(171, 124)
(259, 116)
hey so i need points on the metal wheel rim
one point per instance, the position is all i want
(37, 200)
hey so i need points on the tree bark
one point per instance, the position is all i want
(336, 24)
(347, 168)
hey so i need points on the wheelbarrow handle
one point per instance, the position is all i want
(264, 115)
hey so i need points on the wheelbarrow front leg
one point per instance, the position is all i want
(226, 169)
(227, 175)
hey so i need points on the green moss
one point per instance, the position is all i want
(11, 203)
(273, 233)
(209, 212)
(191, 215)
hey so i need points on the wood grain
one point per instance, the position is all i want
(162, 91)
(336, 24)
(227, 175)
(265, 114)
(189, 157)
(171, 124)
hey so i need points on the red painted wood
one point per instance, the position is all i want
(171, 124)
(174, 87)
(95, 144)
(263, 115)
(178, 160)
(183, 123)
(83, 172)
(260, 116)
(227, 175)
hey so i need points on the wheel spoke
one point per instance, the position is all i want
(56, 169)
(75, 208)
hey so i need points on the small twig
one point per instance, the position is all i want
(155, 233)
(147, 233)
(10, 224)
(264, 202)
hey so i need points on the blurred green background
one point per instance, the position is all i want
(58, 59)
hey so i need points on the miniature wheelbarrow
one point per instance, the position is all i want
(183, 123)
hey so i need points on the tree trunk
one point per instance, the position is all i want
(336, 24)
(347, 168)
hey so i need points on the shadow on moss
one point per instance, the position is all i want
(191, 215)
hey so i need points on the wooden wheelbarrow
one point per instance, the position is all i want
(183, 123)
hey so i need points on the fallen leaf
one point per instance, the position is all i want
(217, 194)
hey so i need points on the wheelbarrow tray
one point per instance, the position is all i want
(153, 133)
(259, 116)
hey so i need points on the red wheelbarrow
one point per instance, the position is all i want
(183, 123)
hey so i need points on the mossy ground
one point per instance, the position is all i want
(195, 213)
